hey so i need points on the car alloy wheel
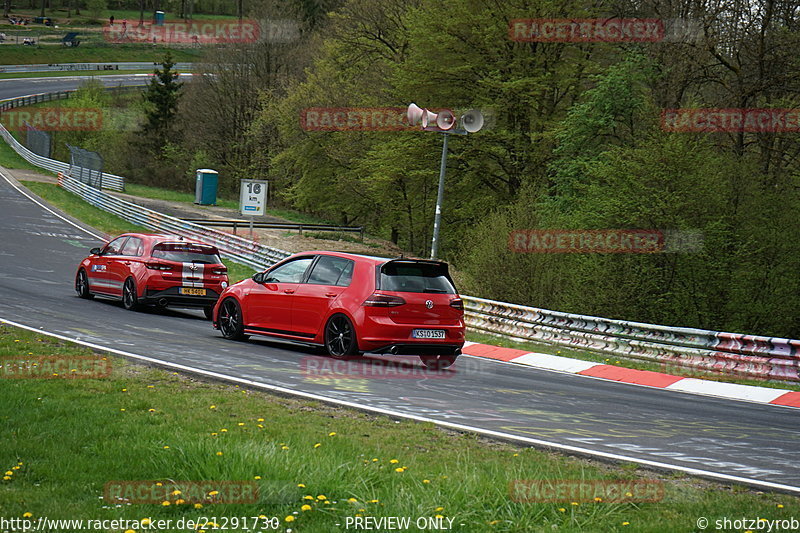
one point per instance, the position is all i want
(230, 320)
(82, 285)
(340, 337)
(130, 300)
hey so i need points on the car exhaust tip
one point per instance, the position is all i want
(393, 350)
(163, 302)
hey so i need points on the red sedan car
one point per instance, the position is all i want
(165, 270)
(350, 304)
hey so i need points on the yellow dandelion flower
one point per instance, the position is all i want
(6, 478)
(219, 453)
(198, 506)
(130, 531)
(361, 510)
(326, 502)
(332, 434)
(9, 473)
(260, 420)
(375, 460)
(399, 470)
(305, 507)
(256, 477)
(394, 461)
(598, 499)
(158, 484)
(352, 500)
(780, 506)
(212, 406)
(213, 493)
(260, 426)
(180, 501)
(165, 503)
(214, 434)
(439, 516)
(626, 523)
(27, 515)
(151, 410)
(574, 503)
(373, 501)
(562, 510)
(144, 521)
(223, 430)
(122, 409)
(289, 518)
(322, 497)
(20, 464)
(301, 485)
(426, 481)
(317, 445)
(284, 447)
(176, 493)
(307, 497)
(166, 447)
(629, 495)
(439, 509)
(240, 423)
(515, 455)
(150, 386)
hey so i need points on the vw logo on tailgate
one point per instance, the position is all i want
(429, 304)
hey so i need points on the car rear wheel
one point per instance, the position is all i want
(130, 300)
(438, 362)
(340, 337)
(208, 311)
(230, 320)
(82, 285)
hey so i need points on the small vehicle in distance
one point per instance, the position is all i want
(350, 304)
(143, 268)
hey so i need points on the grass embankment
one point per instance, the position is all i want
(315, 465)
(87, 73)
(621, 361)
(107, 222)
(13, 54)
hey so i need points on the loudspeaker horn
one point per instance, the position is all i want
(414, 114)
(445, 119)
(472, 121)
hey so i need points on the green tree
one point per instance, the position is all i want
(161, 106)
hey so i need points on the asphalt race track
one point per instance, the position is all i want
(13, 87)
(729, 440)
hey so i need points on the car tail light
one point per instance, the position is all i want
(457, 303)
(219, 270)
(158, 266)
(383, 300)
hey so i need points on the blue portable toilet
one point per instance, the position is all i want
(159, 18)
(205, 188)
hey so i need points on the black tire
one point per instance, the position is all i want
(82, 285)
(130, 300)
(209, 312)
(230, 320)
(340, 337)
(438, 362)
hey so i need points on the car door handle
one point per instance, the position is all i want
(331, 294)
(288, 291)
(126, 262)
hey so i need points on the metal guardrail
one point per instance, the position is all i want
(747, 356)
(70, 67)
(235, 224)
(236, 248)
(110, 181)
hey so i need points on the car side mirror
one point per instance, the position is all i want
(258, 277)
(95, 251)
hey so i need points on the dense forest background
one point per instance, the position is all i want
(573, 141)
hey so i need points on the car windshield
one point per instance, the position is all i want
(186, 253)
(416, 277)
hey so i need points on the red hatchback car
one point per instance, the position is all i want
(350, 304)
(165, 270)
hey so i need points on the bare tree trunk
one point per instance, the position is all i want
(240, 9)
(77, 7)
(183, 9)
(141, 13)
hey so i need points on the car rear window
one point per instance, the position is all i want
(186, 252)
(415, 277)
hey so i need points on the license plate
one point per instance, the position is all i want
(192, 292)
(428, 334)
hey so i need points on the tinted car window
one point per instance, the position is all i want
(415, 277)
(291, 272)
(114, 247)
(186, 252)
(133, 247)
(331, 270)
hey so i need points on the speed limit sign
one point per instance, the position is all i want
(253, 197)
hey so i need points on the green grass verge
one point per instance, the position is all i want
(636, 364)
(12, 54)
(107, 222)
(11, 159)
(315, 465)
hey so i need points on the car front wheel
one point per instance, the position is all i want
(230, 320)
(82, 285)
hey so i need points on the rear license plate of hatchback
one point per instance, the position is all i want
(428, 334)
(192, 292)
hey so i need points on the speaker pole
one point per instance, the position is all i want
(439, 197)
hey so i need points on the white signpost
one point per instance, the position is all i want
(253, 199)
